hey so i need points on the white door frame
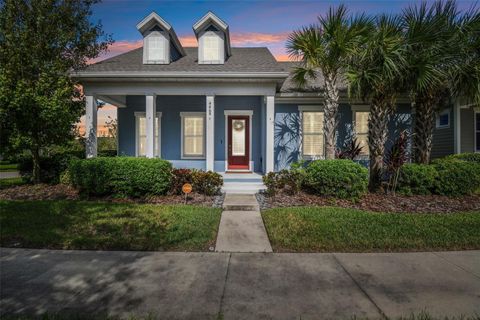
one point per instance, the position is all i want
(248, 113)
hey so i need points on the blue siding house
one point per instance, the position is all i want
(227, 109)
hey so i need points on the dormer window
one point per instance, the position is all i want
(212, 47)
(156, 46)
(213, 40)
(160, 43)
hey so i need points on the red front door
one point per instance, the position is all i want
(238, 142)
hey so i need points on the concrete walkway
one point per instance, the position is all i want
(239, 285)
(9, 174)
(241, 226)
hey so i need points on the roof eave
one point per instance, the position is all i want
(180, 75)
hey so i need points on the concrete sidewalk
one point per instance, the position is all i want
(239, 285)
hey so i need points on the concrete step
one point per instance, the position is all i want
(243, 187)
(240, 202)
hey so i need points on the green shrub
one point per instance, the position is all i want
(457, 177)
(207, 182)
(51, 166)
(179, 178)
(66, 178)
(469, 156)
(271, 182)
(121, 176)
(417, 179)
(339, 178)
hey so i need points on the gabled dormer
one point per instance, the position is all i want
(160, 43)
(213, 39)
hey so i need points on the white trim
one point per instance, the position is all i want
(210, 130)
(437, 120)
(193, 114)
(138, 115)
(178, 74)
(315, 108)
(238, 112)
(248, 113)
(457, 132)
(91, 111)
(270, 133)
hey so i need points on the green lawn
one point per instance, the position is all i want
(107, 226)
(11, 182)
(347, 230)
(8, 167)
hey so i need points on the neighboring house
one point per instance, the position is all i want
(222, 108)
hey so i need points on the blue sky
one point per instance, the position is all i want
(252, 23)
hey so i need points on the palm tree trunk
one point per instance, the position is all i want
(424, 121)
(330, 116)
(377, 137)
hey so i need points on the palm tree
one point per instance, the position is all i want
(432, 51)
(466, 77)
(323, 49)
(375, 75)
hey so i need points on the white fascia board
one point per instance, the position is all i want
(141, 26)
(276, 75)
(206, 18)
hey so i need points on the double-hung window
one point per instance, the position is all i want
(141, 134)
(193, 135)
(312, 134)
(211, 47)
(361, 130)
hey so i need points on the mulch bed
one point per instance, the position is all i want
(63, 192)
(382, 203)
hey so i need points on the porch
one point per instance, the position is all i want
(230, 129)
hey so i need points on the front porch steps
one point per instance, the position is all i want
(242, 183)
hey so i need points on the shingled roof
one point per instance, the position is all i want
(312, 85)
(244, 60)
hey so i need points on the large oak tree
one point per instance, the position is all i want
(41, 43)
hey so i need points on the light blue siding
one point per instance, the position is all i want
(286, 138)
(287, 130)
(171, 106)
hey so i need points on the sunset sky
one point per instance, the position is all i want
(252, 23)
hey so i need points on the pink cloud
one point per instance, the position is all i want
(117, 48)
(274, 41)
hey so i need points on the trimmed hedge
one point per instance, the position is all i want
(468, 156)
(339, 178)
(417, 179)
(54, 164)
(457, 177)
(121, 176)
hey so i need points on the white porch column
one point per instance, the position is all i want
(210, 140)
(150, 112)
(457, 131)
(270, 131)
(91, 126)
